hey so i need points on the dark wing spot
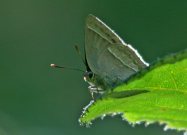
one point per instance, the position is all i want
(113, 40)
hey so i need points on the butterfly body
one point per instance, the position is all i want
(109, 60)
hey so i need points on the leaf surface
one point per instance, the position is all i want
(156, 94)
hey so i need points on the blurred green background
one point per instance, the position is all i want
(38, 100)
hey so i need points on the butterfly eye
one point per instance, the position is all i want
(90, 74)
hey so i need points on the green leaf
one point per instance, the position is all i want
(156, 94)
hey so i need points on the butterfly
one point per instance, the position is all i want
(109, 60)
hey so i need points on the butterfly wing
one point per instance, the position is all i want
(107, 54)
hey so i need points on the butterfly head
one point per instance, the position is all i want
(95, 81)
(89, 77)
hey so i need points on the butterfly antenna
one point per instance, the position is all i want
(80, 54)
(63, 67)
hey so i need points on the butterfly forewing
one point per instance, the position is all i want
(107, 54)
(97, 26)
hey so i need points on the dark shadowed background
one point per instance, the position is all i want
(38, 100)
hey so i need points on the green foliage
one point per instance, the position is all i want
(156, 94)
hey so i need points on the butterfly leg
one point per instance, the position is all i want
(93, 90)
